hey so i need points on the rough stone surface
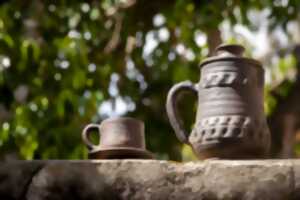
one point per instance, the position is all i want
(15, 178)
(150, 179)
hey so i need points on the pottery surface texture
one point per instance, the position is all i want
(119, 138)
(230, 121)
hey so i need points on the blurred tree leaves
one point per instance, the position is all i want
(64, 64)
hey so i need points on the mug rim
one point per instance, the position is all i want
(113, 119)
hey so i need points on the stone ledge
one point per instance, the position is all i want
(150, 179)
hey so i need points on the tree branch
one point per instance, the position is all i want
(115, 39)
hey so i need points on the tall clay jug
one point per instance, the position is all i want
(230, 120)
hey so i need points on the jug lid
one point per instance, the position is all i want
(233, 52)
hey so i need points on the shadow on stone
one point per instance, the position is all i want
(15, 177)
(66, 181)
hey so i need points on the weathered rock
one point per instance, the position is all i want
(248, 180)
(296, 178)
(150, 179)
(15, 178)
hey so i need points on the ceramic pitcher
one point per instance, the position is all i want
(230, 121)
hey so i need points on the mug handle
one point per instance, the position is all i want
(172, 111)
(86, 135)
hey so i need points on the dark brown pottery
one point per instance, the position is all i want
(120, 138)
(230, 120)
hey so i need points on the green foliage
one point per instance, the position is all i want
(60, 62)
(269, 103)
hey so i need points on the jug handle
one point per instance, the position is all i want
(172, 111)
(86, 135)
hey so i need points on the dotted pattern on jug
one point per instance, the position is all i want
(234, 120)
(212, 128)
(217, 133)
(222, 78)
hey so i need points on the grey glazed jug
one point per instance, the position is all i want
(230, 121)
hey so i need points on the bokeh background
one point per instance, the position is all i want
(64, 64)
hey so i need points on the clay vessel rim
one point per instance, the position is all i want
(114, 119)
(209, 60)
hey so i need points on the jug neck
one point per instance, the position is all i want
(230, 52)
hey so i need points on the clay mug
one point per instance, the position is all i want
(120, 138)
